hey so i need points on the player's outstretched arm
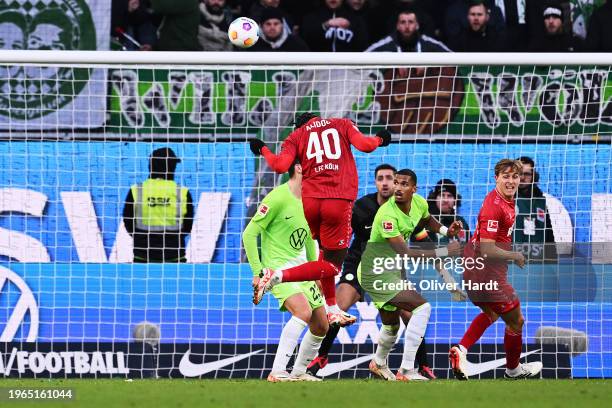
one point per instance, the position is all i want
(368, 144)
(279, 163)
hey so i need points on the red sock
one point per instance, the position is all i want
(328, 287)
(513, 344)
(476, 329)
(310, 271)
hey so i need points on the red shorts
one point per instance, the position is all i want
(500, 308)
(500, 301)
(329, 220)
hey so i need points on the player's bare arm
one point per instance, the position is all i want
(399, 245)
(489, 249)
(431, 224)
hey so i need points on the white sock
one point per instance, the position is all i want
(286, 345)
(386, 340)
(415, 330)
(333, 309)
(308, 351)
(514, 371)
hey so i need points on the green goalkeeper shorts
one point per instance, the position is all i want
(309, 289)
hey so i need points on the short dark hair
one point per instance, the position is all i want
(527, 160)
(292, 168)
(503, 164)
(384, 166)
(407, 10)
(408, 172)
(302, 119)
(473, 3)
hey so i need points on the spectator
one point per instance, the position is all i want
(215, 18)
(178, 30)
(407, 38)
(274, 35)
(522, 20)
(599, 34)
(533, 228)
(334, 28)
(478, 36)
(257, 9)
(443, 203)
(422, 8)
(158, 213)
(455, 17)
(554, 38)
(132, 25)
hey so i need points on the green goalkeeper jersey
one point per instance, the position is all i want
(285, 236)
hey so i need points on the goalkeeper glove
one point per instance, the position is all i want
(385, 135)
(256, 145)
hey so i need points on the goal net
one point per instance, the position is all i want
(78, 131)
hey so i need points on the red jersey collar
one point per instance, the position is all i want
(502, 197)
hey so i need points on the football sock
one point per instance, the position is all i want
(386, 340)
(328, 287)
(328, 341)
(308, 351)
(476, 330)
(415, 330)
(513, 343)
(287, 343)
(310, 271)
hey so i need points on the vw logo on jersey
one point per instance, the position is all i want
(26, 302)
(297, 238)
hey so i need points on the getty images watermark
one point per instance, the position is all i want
(410, 266)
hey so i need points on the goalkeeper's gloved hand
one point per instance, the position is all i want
(385, 135)
(256, 145)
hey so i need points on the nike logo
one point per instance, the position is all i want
(479, 368)
(333, 368)
(288, 217)
(368, 227)
(189, 369)
(471, 368)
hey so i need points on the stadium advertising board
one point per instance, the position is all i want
(513, 103)
(207, 326)
(44, 209)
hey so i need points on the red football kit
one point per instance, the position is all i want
(495, 221)
(329, 187)
(329, 174)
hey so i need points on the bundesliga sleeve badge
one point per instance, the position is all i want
(388, 226)
(492, 225)
(263, 210)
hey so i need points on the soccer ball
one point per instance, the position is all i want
(243, 32)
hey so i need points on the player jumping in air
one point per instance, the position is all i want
(329, 187)
(386, 282)
(492, 240)
(285, 242)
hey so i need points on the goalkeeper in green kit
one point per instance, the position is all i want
(286, 242)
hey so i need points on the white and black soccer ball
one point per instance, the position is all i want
(243, 32)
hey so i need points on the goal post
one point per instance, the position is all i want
(77, 131)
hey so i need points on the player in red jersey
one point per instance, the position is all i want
(329, 187)
(490, 249)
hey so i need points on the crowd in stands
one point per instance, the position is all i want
(362, 25)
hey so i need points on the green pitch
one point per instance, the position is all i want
(331, 393)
